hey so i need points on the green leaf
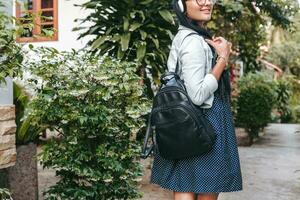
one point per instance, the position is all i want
(167, 16)
(125, 24)
(125, 38)
(134, 26)
(155, 41)
(100, 40)
(141, 51)
(143, 34)
(145, 2)
(120, 53)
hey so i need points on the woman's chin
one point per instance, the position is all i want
(204, 17)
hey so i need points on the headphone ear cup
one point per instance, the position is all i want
(180, 5)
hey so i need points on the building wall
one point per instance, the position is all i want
(6, 92)
(8, 7)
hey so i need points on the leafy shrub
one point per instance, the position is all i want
(284, 91)
(294, 96)
(96, 107)
(255, 102)
(294, 99)
(296, 114)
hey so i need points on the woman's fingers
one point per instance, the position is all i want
(217, 38)
(212, 43)
(220, 43)
(221, 39)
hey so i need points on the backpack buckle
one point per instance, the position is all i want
(164, 79)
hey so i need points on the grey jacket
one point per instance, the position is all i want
(195, 57)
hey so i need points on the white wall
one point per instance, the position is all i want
(6, 90)
(67, 39)
(8, 7)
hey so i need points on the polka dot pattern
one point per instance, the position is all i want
(215, 171)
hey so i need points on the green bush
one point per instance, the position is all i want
(296, 113)
(96, 107)
(294, 99)
(255, 102)
(284, 92)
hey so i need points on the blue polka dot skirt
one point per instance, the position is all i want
(213, 172)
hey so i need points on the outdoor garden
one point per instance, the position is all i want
(94, 103)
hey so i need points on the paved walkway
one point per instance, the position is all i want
(270, 169)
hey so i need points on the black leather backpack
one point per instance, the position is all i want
(178, 127)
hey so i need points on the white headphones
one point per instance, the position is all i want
(181, 6)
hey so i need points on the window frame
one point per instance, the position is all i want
(37, 7)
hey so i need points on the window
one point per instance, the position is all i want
(39, 19)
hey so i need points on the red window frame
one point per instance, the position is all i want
(38, 23)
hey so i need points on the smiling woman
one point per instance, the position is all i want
(201, 61)
(200, 13)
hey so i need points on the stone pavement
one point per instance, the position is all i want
(270, 169)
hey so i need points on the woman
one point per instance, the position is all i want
(207, 83)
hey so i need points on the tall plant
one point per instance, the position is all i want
(96, 107)
(138, 31)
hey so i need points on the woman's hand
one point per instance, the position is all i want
(222, 46)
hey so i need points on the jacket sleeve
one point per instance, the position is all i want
(193, 60)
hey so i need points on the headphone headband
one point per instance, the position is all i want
(181, 5)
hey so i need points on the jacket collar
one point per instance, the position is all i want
(182, 27)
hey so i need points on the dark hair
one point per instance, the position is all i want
(224, 82)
